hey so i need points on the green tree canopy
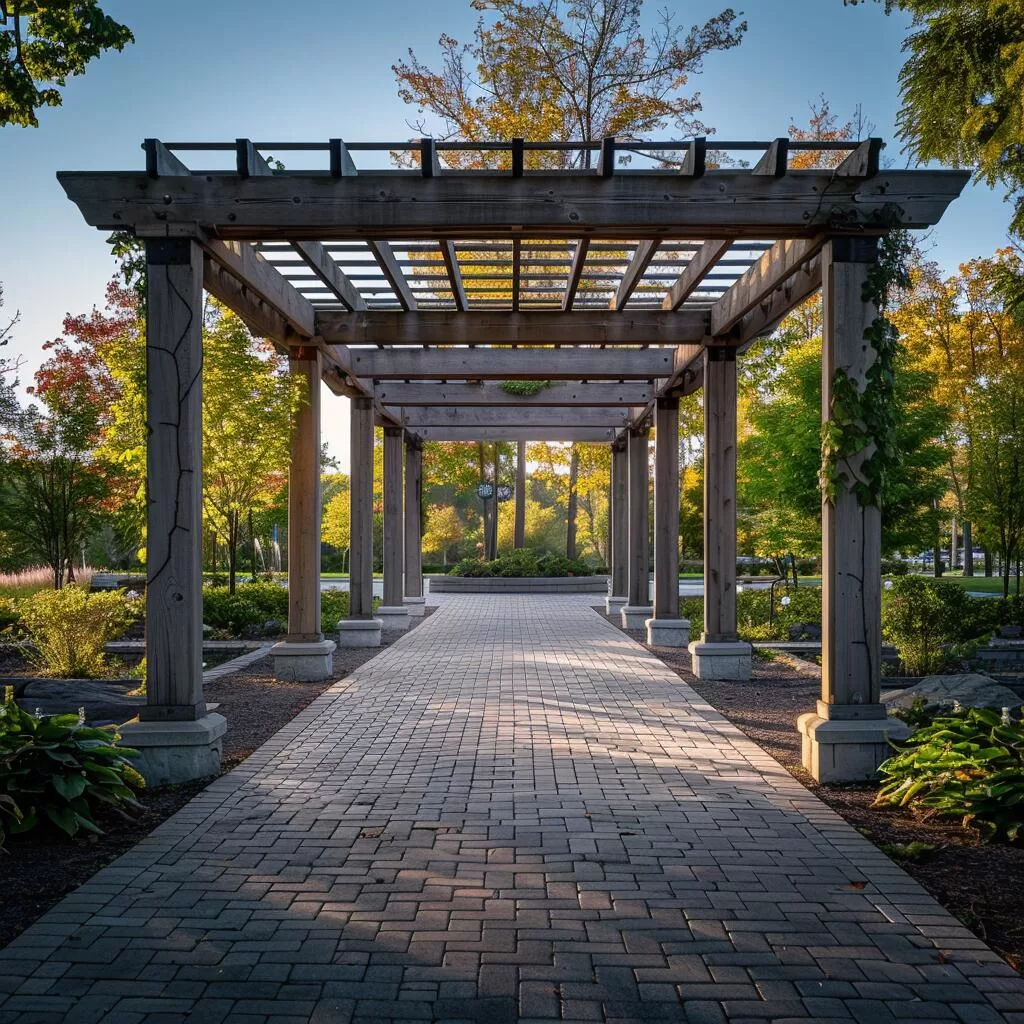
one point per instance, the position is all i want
(43, 43)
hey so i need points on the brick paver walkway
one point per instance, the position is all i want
(513, 813)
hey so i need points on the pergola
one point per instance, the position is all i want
(416, 290)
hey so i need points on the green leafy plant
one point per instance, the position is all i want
(69, 627)
(522, 562)
(914, 850)
(525, 388)
(9, 614)
(967, 765)
(255, 604)
(57, 769)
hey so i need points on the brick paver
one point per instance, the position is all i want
(514, 813)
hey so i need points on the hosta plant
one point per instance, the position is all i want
(57, 769)
(967, 765)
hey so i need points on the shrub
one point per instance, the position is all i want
(69, 628)
(752, 607)
(255, 604)
(9, 613)
(58, 769)
(967, 765)
(522, 562)
(923, 618)
(894, 567)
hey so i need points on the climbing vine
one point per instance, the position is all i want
(524, 388)
(865, 418)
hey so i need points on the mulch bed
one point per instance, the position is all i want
(979, 884)
(43, 866)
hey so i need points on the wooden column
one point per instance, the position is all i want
(394, 446)
(618, 520)
(413, 518)
(174, 480)
(851, 533)
(638, 582)
(520, 524)
(666, 509)
(719, 494)
(304, 503)
(848, 736)
(361, 511)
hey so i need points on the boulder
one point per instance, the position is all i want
(105, 701)
(972, 690)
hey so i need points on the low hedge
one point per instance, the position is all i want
(523, 563)
(262, 608)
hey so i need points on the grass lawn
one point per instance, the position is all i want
(979, 584)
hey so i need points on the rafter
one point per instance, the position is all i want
(645, 251)
(696, 271)
(389, 266)
(579, 259)
(567, 433)
(558, 394)
(323, 266)
(451, 262)
(496, 416)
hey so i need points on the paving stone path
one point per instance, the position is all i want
(514, 813)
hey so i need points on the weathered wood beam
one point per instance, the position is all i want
(321, 263)
(517, 267)
(689, 280)
(568, 433)
(248, 162)
(260, 317)
(764, 317)
(863, 162)
(342, 164)
(645, 251)
(504, 364)
(388, 264)
(501, 327)
(579, 260)
(316, 206)
(695, 161)
(489, 393)
(776, 264)
(451, 263)
(161, 162)
(775, 161)
(498, 416)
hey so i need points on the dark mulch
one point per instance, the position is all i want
(979, 884)
(42, 867)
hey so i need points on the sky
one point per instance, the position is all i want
(309, 70)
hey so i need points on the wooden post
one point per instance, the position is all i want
(638, 607)
(520, 525)
(177, 739)
(719, 654)
(618, 526)
(847, 738)
(174, 479)
(666, 509)
(361, 511)
(304, 503)
(304, 655)
(413, 519)
(393, 612)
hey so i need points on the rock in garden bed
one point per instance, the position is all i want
(971, 690)
(106, 701)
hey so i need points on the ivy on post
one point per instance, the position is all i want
(847, 737)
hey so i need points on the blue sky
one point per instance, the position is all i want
(314, 69)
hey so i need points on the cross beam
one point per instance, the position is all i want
(508, 364)
(498, 416)
(596, 434)
(581, 327)
(314, 206)
(490, 393)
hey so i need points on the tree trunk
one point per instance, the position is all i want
(968, 549)
(988, 563)
(252, 541)
(953, 546)
(520, 497)
(570, 527)
(485, 514)
(232, 549)
(937, 558)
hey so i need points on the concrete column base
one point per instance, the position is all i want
(359, 632)
(668, 632)
(393, 616)
(847, 750)
(416, 606)
(303, 662)
(614, 605)
(174, 752)
(635, 616)
(731, 661)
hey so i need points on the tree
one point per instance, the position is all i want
(55, 489)
(337, 519)
(43, 43)
(8, 366)
(444, 530)
(564, 69)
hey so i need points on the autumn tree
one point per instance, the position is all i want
(43, 43)
(337, 518)
(445, 529)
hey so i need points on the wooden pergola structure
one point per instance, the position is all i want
(415, 291)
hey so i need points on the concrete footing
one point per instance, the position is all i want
(303, 662)
(635, 616)
(393, 616)
(173, 752)
(416, 606)
(614, 605)
(848, 749)
(359, 632)
(668, 632)
(728, 660)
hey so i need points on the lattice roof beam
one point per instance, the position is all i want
(451, 262)
(579, 259)
(643, 254)
(696, 272)
(566, 433)
(325, 269)
(385, 258)
(503, 416)
(490, 393)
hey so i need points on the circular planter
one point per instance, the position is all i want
(518, 584)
